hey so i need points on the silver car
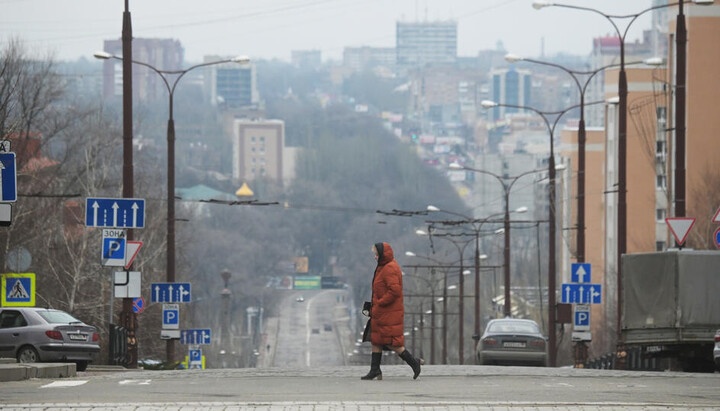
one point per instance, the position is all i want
(512, 341)
(32, 334)
(716, 350)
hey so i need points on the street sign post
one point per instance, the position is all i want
(195, 336)
(171, 316)
(581, 293)
(114, 247)
(580, 273)
(8, 178)
(170, 292)
(18, 290)
(115, 212)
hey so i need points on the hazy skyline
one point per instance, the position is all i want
(266, 29)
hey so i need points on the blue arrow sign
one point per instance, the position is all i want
(115, 212)
(580, 272)
(170, 292)
(8, 178)
(195, 336)
(581, 294)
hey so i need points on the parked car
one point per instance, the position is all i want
(32, 334)
(512, 341)
(716, 350)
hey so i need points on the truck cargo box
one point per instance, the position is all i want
(670, 297)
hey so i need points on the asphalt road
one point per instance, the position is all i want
(439, 386)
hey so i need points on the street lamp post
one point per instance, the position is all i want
(551, 213)
(582, 88)
(170, 276)
(507, 183)
(622, 124)
(430, 286)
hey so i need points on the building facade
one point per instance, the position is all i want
(258, 147)
(230, 85)
(163, 54)
(421, 43)
(366, 58)
(509, 86)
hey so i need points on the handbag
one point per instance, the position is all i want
(367, 305)
(366, 333)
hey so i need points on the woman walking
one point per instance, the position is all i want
(387, 313)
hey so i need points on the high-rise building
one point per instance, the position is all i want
(163, 54)
(509, 86)
(306, 59)
(365, 58)
(231, 84)
(421, 43)
(258, 149)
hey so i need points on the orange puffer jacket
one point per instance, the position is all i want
(388, 308)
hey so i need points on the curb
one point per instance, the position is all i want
(24, 371)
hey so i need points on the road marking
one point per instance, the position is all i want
(62, 384)
(135, 382)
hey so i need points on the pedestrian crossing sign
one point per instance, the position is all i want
(18, 290)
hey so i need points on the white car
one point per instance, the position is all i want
(716, 350)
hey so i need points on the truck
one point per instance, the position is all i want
(670, 310)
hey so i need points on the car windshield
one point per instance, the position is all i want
(58, 317)
(513, 327)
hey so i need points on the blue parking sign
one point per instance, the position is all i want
(171, 316)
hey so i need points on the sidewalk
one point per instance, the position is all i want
(10, 370)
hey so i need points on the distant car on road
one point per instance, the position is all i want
(716, 350)
(512, 341)
(32, 334)
(300, 299)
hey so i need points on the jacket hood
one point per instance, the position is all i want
(385, 253)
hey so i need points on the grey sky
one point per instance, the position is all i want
(272, 28)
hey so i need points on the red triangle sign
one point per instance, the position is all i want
(680, 227)
(132, 251)
(716, 218)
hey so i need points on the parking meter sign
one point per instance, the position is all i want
(114, 247)
(171, 317)
(581, 319)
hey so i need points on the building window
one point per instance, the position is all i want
(262, 171)
(262, 139)
(659, 245)
(253, 160)
(660, 214)
(252, 149)
(252, 140)
(262, 150)
(661, 182)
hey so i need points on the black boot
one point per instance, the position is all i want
(374, 367)
(413, 362)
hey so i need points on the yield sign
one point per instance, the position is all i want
(716, 218)
(680, 227)
(132, 250)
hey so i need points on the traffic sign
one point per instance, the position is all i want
(195, 336)
(580, 272)
(8, 178)
(581, 319)
(132, 251)
(115, 212)
(581, 294)
(171, 316)
(18, 290)
(716, 217)
(138, 305)
(128, 284)
(4, 146)
(170, 292)
(5, 214)
(114, 247)
(680, 227)
(195, 359)
(716, 237)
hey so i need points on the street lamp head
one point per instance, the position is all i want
(561, 166)
(703, 2)
(102, 55)
(467, 272)
(488, 104)
(538, 4)
(483, 256)
(654, 61)
(440, 299)
(513, 58)
(240, 59)
(455, 166)
(428, 312)
(613, 100)
(410, 254)
(452, 287)
(521, 210)
(499, 231)
(432, 208)
(420, 232)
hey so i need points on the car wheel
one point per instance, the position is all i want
(81, 365)
(27, 354)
